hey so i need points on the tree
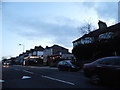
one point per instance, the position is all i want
(86, 28)
(4, 58)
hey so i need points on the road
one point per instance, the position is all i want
(17, 76)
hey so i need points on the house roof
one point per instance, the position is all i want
(39, 48)
(55, 46)
(113, 28)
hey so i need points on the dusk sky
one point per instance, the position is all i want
(48, 23)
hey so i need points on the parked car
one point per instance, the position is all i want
(104, 70)
(67, 65)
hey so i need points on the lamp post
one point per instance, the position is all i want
(23, 47)
(24, 62)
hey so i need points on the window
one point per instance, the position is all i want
(87, 40)
(60, 62)
(110, 61)
(106, 62)
(107, 35)
(75, 43)
(79, 42)
(65, 63)
(117, 61)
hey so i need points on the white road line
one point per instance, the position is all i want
(26, 77)
(2, 81)
(58, 80)
(28, 71)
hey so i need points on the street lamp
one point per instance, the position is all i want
(23, 46)
(24, 62)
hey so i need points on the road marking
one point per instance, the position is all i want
(26, 77)
(28, 71)
(58, 80)
(2, 81)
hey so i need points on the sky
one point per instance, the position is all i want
(47, 23)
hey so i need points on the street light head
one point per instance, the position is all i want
(19, 44)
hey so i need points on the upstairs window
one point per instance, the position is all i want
(87, 40)
(107, 35)
(75, 43)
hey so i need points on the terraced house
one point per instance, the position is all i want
(102, 42)
(52, 55)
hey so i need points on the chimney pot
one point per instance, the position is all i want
(102, 25)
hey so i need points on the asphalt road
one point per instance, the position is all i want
(17, 76)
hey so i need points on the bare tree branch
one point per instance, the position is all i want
(86, 28)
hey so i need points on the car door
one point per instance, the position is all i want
(62, 65)
(105, 69)
(66, 66)
(116, 70)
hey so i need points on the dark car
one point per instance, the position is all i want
(104, 70)
(67, 65)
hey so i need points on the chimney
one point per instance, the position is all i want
(102, 25)
(46, 46)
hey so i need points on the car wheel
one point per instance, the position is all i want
(95, 79)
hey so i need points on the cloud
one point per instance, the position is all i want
(60, 31)
(105, 10)
(58, 25)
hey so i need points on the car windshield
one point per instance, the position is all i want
(70, 62)
(109, 61)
